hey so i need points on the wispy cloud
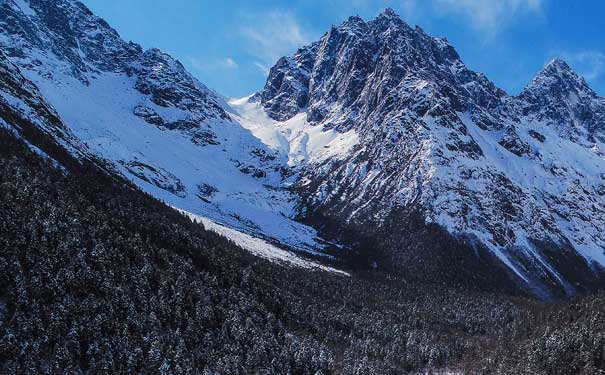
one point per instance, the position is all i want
(264, 69)
(485, 17)
(273, 35)
(489, 16)
(230, 63)
(207, 66)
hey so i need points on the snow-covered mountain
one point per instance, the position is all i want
(161, 127)
(522, 177)
(558, 97)
(377, 132)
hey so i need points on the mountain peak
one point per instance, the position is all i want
(389, 13)
(352, 23)
(558, 68)
(558, 64)
(558, 77)
(560, 96)
(388, 18)
(355, 19)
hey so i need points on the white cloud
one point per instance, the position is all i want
(264, 69)
(273, 35)
(230, 63)
(489, 16)
(206, 66)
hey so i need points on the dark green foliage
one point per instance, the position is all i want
(97, 277)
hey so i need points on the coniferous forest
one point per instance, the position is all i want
(98, 277)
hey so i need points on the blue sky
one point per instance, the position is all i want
(229, 45)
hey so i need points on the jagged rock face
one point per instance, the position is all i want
(286, 92)
(170, 85)
(442, 140)
(66, 29)
(561, 98)
(82, 45)
(361, 70)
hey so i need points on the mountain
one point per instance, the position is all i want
(98, 277)
(375, 144)
(158, 125)
(559, 97)
(440, 147)
(99, 274)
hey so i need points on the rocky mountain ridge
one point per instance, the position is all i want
(377, 129)
(519, 175)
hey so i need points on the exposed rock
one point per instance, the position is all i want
(158, 177)
(149, 115)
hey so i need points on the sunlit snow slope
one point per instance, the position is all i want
(260, 247)
(295, 140)
(164, 130)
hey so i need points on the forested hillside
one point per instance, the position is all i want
(97, 277)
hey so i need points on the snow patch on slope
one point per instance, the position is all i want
(261, 248)
(295, 139)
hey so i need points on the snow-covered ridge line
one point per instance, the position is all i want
(259, 247)
(161, 128)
